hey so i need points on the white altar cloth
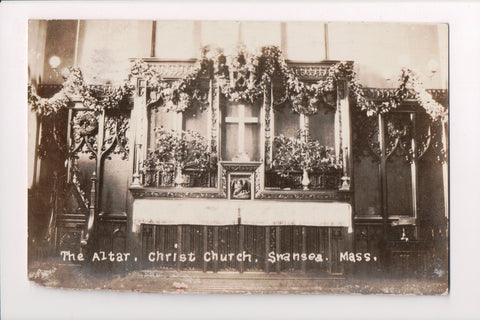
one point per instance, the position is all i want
(222, 212)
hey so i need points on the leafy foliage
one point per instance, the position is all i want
(172, 150)
(242, 76)
(302, 153)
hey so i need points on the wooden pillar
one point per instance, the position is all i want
(241, 239)
(209, 126)
(345, 134)
(304, 247)
(413, 169)
(277, 246)
(216, 130)
(263, 127)
(98, 169)
(272, 121)
(330, 260)
(337, 129)
(139, 129)
(269, 130)
(179, 247)
(69, 143)
(215, 247)
(205, 247)
(267, 248)
(383, 173)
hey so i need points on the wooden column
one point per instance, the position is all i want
(217, 128)
(241, 239)
(277, 246)
(330, 260)
(99, 156)
(263, 127)
(209, 126)
(337, 129)
(179, 247)
(304, 247)
(267, 248)
(345, 134)
(69, 143)
(139, 129)
(205, 246)
(413, 169)
(271, 128)
(383, 172)
(215, 247)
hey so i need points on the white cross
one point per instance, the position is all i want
(241, 120)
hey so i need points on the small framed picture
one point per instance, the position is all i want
(240, 186)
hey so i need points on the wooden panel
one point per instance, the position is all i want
(247, 248)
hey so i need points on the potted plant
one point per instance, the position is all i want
(178, 150)
(302, 153)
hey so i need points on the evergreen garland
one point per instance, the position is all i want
(242, 77)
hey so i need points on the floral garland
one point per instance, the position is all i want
(241, 77)
(75, 87)
(434, 109)
(242, 84)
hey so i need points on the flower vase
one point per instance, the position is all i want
(179, 179)
(305, 180)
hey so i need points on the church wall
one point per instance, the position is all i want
(399, 45)
(37, 36)
(60, 42)
(300, 35)
(105, 48)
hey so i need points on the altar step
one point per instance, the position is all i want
(236, 283)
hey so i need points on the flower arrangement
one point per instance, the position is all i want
(177, 150)
(302, 153)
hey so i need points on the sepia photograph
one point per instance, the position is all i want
(259, 157)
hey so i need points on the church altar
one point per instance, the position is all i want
(221, 212)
